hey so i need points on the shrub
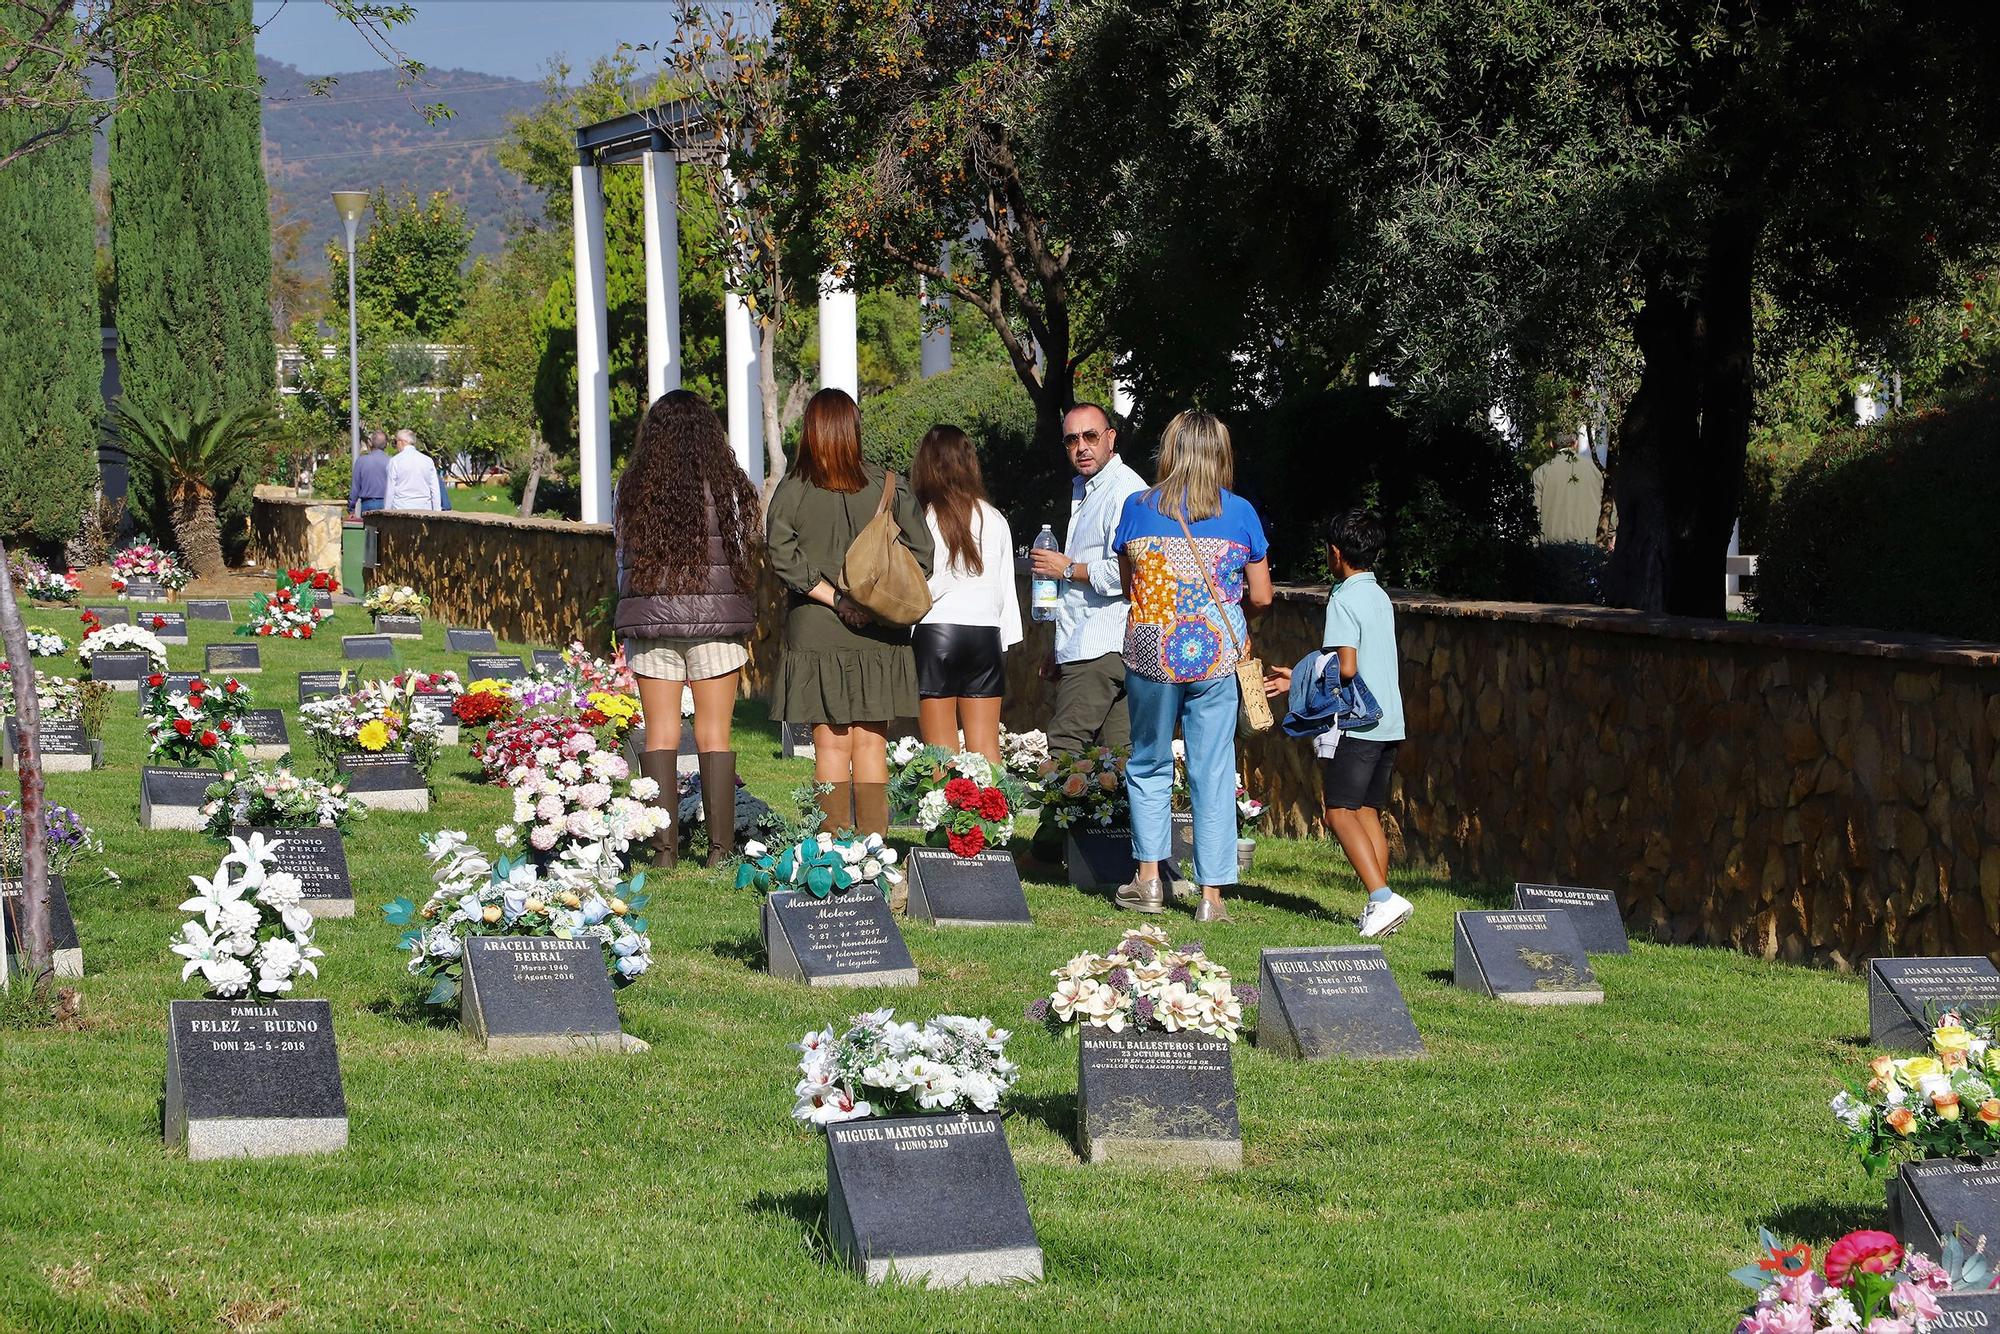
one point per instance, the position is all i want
(1889, 526)
(987, 402)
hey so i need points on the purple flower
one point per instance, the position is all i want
(1038, 1012)
(1244, 995)
(1120, 980)
(1142, 1011)
(1182, 976)
(1192, 947)
(1140, 951)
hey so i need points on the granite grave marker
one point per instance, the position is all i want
(169, 627)
(1904, 995)
(847, 940)
(173, 798)
(318, 857)
(1931, 1199)
(66, 748)
(457, 640)
(235, 659)
(549, 659)
(386, 781)
(498, 666)
(1529, 958)
(68, 959)
(321, 600)
(1316, 1001)
(1099, 858)
(253, 1079)
(534, 994)
(367, 646)
(1595, 914)
(264, 734)
(209, 609)
(121, 671)
(174, 683)
(1967, 1310)
(319, 685)
(949, 890)
(1166, 1099)
(111, 615)
(143, 590)
(437, 707)
(400, 627)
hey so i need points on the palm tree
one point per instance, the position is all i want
(192, 453)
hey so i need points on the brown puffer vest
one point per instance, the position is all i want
(721, 611)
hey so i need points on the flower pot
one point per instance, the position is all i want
(1246, 853)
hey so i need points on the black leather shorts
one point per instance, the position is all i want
(959, 661)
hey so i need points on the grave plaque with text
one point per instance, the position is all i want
(65, 747)
(1529, 958)
(173, 798)
(437, 707)
(62, 927)
(253, 1079)
(497, 666)
(458, 640)
(169, 627)
(236, 659)
(387, 781)
(400, 627)
(120, 671)
(318, 857)
(1595, 914)
(949, 890)
(1905, 995)
(929, 1199)
(111, 615)
(319, 685)
(265, 736)
(1931, 1199)
(549, 659)
(1099, 858)
(322, 600)
(847, 940)
(533, 994)
(367, 646)
(795, 740)
(209, 609)
(1317, 1001)
(143, 590)
(1967, 1310)
(1147, 1096)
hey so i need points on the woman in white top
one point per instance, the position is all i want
(975, 614)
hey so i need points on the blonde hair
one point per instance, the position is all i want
(1196, 466)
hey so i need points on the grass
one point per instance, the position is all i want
(482, 500)
(1568, 1169)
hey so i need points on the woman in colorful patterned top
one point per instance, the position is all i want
(1193, 554)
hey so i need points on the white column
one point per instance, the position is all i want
(839, 336)
(740, 393)
(593, 359)
(663, 274)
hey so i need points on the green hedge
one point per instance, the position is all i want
(1890, 526)
(987, 402)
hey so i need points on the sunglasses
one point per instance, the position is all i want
(1087, 437)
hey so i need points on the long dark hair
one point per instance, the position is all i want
(681, 471)
(946, 480)
(830, 443)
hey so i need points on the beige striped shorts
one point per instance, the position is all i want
(685, 659)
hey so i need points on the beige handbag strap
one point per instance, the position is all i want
(1221, 609)
(888, 493)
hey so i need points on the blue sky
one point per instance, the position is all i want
(513, 38)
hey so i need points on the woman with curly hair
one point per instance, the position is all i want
(843, 671)
(686, 525)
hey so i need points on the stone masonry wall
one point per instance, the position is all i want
(1812, 794)
(294, 531)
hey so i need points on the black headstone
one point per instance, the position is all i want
(173, 798)
(170, 627)
(549, 658)
(469, 641)
(62, 926)
(387, 781)
(320, 600)
(849, 940)
(121, 667)
(980, 890)
(1967, 1310)
(143, 590)
(253, 1079)
(241, 659)
(66, 748)
(525, 994)
(209, 609)
(402, 627)
(1154, 1097)
(112, 615)
(318, 857)
(1905, 995)
(176, 683)
(929, 1199)
(1595, 914)
(318, 685)
(1317, 1001)
(1930, 1200)
(499, 667)
(1530, 958)
(1100, 858)
(795, 739)
(367, 646)
(265, 728)
(434, 706)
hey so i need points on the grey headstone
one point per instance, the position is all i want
(319, 599)
(458, 640)
(538, 994)
(319, 685)
(173, 798)
(112, 615)
(1099, 858)
(265, 736)
(949, 890)
(367, 646)
(209, 609)
(1165, 1099)
(387, 782)
(1904, 995)
(849, 940)
(169, 627)
(1930, 1200)
(1529, 958)
(65, 747)
(1317, 1001)
(234, 659)
(143, 590)
(437, 708)
(1967, 1310)
(933, 1200)
(400, 627)
(549, 658)
(498, 666)
(121, 671)
(318, 857)
(62, 927)
(1599, 922)
(253, 1079)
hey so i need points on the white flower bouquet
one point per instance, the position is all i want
(879, 1067)
(60, 696)
(122, 639)
(1146, 983)
(253, 932)
(1023, 753)
(395, 600)
(277, 798)
(43, 584)
(577, 897)
(46, 644)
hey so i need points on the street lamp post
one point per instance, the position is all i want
(350, 203)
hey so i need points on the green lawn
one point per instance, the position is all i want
(1567, 1169)
(490, 499)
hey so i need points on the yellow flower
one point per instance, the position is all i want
(373, 735)
(533, 906)
(1951, 1037)
(618, 906)
(1947, 1106)
(492, 913)
(1917, 1067)
(486, 685)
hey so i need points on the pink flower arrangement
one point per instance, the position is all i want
(512, 749)
(141, 559)
(574, 798)
(1868, 1285)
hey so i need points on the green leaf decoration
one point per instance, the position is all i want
(746, 876)
(1751, 1276)
(410, 937)
(638, 924)
(820, 881)
(638, 883)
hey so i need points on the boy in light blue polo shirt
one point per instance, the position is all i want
(1354, 781)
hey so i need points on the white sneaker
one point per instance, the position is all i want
(1386, 917)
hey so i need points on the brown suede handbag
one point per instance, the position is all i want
(880, 572)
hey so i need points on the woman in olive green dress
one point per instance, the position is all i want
(844, 672)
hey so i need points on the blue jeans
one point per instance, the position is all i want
(369, 506)
(1206, 713)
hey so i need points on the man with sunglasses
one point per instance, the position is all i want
(1088, 663)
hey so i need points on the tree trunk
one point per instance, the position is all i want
(37, 946)
(199, 535)
(767, 398)
(537, 453)
(1713, 478)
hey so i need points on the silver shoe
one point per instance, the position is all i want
(1212, 912)
(1141, 896)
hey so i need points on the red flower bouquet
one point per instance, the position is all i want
(966, 817)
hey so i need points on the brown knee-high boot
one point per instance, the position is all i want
(836, 808)
(871, 809)
(718, 803)
(658, 765)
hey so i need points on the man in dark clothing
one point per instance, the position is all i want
(371, 477)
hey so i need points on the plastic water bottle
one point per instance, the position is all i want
(1043, 595)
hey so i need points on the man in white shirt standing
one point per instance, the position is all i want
(1089, 662)
(413, 478)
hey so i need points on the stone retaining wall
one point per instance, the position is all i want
(287, 529)
(1806, 794)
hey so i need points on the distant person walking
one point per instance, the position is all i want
(975, 614)
(843, 671)
(1569, 496)
(369, 486)
(413, 478)
(685, 523)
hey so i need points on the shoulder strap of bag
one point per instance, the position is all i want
(888, 493)
(1209, 580)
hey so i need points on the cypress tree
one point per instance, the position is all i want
(190, 239)
(51, 360)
